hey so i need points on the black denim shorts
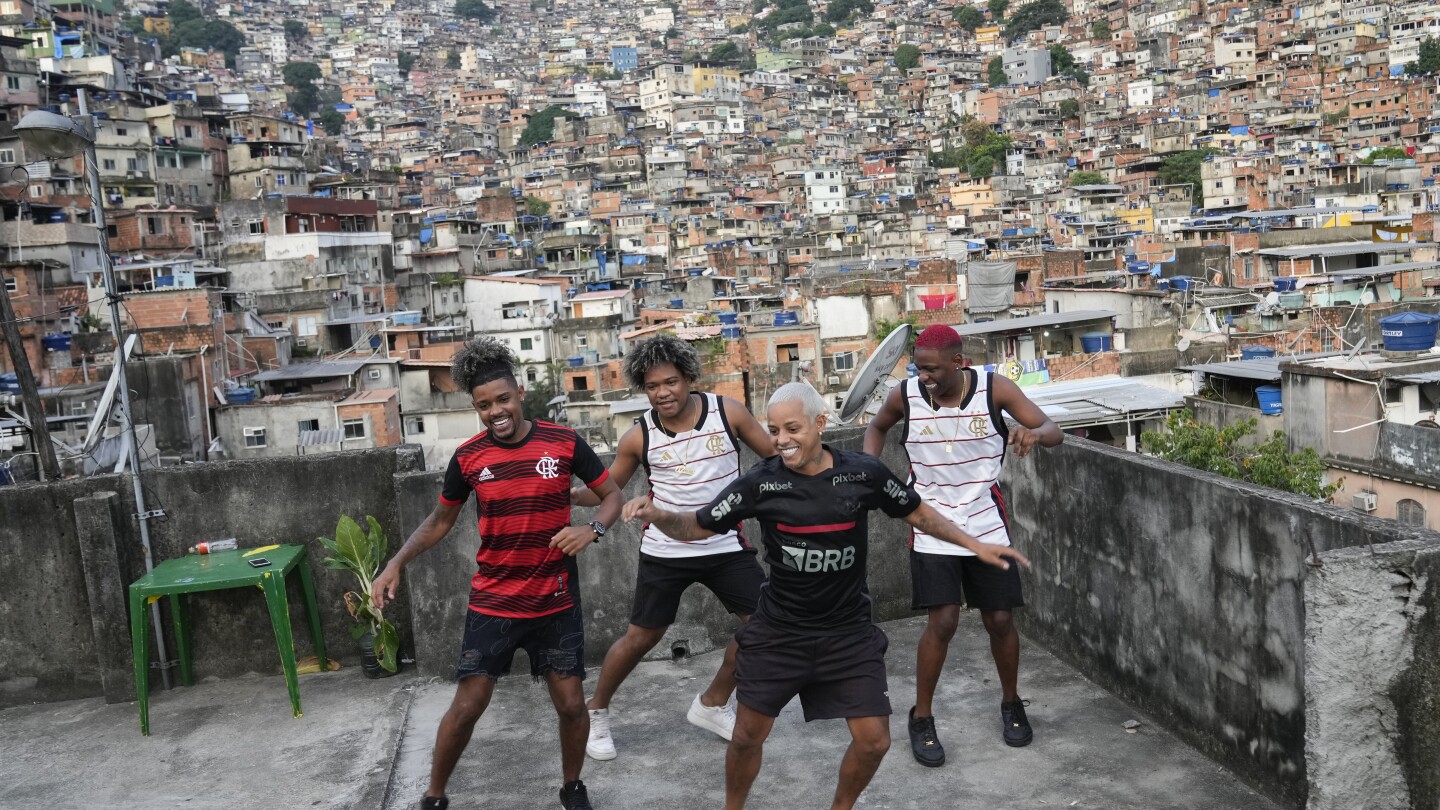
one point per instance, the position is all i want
(554, 643)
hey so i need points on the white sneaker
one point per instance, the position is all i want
(719, 719)
(601, 745)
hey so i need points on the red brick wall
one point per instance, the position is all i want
(165, 308)
(1083, 366)
(384, 419)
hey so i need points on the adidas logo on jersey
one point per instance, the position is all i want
(667, 456)
(927, 431)
(485, 475)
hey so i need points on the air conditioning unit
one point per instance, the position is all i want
(1363, 501)
(832, 380)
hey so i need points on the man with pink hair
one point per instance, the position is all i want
(956, 436)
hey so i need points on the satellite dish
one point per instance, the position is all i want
(1183, 345)
(1427, 423)
(1367, 298)
(875, 370)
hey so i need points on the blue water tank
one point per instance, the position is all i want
(1091, 342)
(10, 383)
(1409, 331)
(787, 318)
(677, 303)
(729, 318)
(576, 362)
(730, 332)
(241, 395)
(1256, 352)
(56, 343)
(1285, 284)
(1269, 396)
(1181, 283)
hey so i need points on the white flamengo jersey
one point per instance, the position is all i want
(955, 459)
(687, 470)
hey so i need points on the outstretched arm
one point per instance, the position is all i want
(927, 520)
(748, 428)
(676, 525)
(430, 531)
(622, 469)
(1035, 427)
(891, 412)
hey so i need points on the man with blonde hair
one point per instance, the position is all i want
(812, 634)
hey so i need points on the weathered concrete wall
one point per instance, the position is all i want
(1181, 591)
(1223, 414)
(1372, 673)
(50, 650)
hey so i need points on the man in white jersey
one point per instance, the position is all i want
(956, 437)
(688, 443)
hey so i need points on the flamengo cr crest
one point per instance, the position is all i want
(548, 467)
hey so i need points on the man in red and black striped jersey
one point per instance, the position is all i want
(525, 592)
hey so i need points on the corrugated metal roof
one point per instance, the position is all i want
(311, 438)
(373, 395)
(1342, 249)
(1261, 369)
(1101, 401)
(1033, 321)
(1426, 377)
(312, 371)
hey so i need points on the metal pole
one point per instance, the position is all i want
(122, 402)
(29, 394)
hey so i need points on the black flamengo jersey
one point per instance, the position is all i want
(815, 531)
(522, 493)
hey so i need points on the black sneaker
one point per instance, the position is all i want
(432, 803)
(574, 797)
(924, 742)
(1014, 725)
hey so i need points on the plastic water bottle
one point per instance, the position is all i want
(228, 544)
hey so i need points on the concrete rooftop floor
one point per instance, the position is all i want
(366, 744)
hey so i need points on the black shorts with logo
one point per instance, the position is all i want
(734, 577)
(554, 643)
(836, 676)
(952, 579)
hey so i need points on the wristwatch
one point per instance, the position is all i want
(599, 529)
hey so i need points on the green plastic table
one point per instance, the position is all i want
(215, 572)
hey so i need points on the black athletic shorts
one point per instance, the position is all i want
(735, 577)
(950, 579)
(554, 643)
(835, 676)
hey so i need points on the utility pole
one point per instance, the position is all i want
(29, 394)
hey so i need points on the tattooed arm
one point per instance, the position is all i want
(676, 525)
(927, 520)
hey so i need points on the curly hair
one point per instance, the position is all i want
(482, 360)
(657, 351)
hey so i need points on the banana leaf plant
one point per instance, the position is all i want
(360, 552)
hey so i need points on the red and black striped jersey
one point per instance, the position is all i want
(522, 494)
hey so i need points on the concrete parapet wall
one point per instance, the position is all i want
(1181, 591)
(1372, 674)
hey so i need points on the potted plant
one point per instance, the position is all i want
(361, 553)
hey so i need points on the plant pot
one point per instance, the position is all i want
(369, 664)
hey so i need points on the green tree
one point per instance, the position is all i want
(541, 126)
(995, 72)
(305, 101)
(725, 52)
(907, 56)
(1222, 451)
(983, 149)
(672, 33)
(841, 10)
(1183, 168)
(969, 18)
(189, 30)
(300, 74)
(406, 61)
(536, 207)
(538, 394)
(296, 31)
(1100, 29)
(997, 8)
(1386, 153)
(1035, 15)
(822, 30)
(1069, 108)
(452, 60)
(182, 11)
(474, 10)
(1088, 178)
(332, 120)
(1429, 59)
(1062, 63)
(884, 326)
